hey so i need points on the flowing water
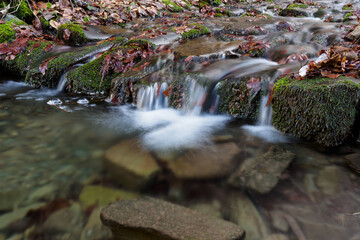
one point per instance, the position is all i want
(52, 145)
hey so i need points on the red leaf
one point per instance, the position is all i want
(168, 91)
(43, 66)
(329, 74)
(254, 83)
(49, 47)
(188, 59)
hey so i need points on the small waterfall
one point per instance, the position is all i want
(152, 97)
(62, 82)
(265, 112)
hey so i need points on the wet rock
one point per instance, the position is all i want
(262, 173)
(10, 199)
(332, 179)
(255, 30)
(65, 221)
(72, 34)
(312, 108)
(278, 221)
(212, 208)
(293, 12)
(130, 165)
(8, 218)
(208, 163)
(46, 192)
(102, 196)
(148, 218)
(354, 35)
(277, 237)
(284, 26)
(245, 214)
(94, 229)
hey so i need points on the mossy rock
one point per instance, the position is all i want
(196, 31)
(293, 12)
(23, 61)
(23, 10)
(323, 110)
(60, 63)
(6, 32)
(173, 6)
(77, 35)
(236, 99)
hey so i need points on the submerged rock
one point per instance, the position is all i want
(102, 196)
(146, 219)
(245, 214)
(130, 165)
(332, 179)
(209, 163)
(94, 229)
(262, 173)
(322, 110)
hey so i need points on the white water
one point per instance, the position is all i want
(152, 97)
(265, 112)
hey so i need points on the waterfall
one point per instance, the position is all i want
(62, 82)
(265, 112)
(152, 97)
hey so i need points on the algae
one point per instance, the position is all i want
(77, 35)
(196, 31)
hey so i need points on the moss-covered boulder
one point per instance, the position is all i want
(21, 9)
(23, 61)
(294, 10)
(323, 110)
(58, 63)
(72, 34)
(237, 99)
(6, 32)
(172, 6)
(196, 31)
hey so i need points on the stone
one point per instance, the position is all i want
(354, 35)
(262, 173)
(246, 215)
(67, 220)
(130, 165)
(12, 198)
(208, 163)
(94, 229)
(332, 179)
(312, 109)
(212, 208)
(102, 196)
(278, 221)
(277, 237)
(8, 218)
(46, 192)
(148, 219)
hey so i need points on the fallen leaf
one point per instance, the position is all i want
(43, 66)
(329, 74)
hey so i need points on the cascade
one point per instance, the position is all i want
(152, 97)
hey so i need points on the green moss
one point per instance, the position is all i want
(198, 30)
(173, 6)
(23, 61)
(138, 44)
(58, 65)
(77, 35)
(6, 32)
(217, 2)
(236, 99)
(347, 16)
(290, 12)
(24, 12)
(347, 7)
(321, 110)
(296, 5)
(44, 23)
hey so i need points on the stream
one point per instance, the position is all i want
(55, 145)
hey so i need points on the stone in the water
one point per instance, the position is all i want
(212, 209)
(130, 165)
(262, 173)
(102, 196)
(67, 220)
(245, 214)
(149, 219)
(278, 221)
(10, 199)
(94, 229)
(209, 163)
(332, 179)
(8, 218)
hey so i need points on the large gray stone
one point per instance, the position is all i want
(130, 165)
(262, 173)
(150, 219)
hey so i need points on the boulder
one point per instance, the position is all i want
(262, 173)
(148, 218)
(130, 165)
(321, 110)
(209, 163)
(102, 196)
(245, 214)
(332, 179)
